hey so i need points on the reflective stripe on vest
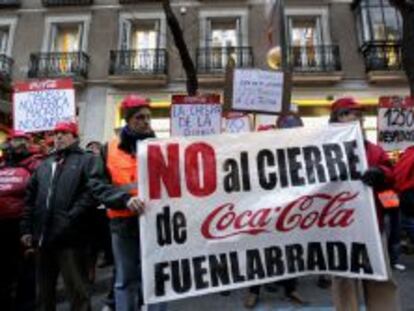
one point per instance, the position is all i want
(123, 169)
(389, 199)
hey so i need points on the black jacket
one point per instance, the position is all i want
(59, 208)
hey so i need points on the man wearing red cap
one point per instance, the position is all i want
(378, 295)
(57, 217)
(19, 163)
(122, 202)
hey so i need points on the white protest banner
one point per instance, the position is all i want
(39, 105)
(395, 123)
(257, 90)
(237, 122)
(195, 115)
(236, 210)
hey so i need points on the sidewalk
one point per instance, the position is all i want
(318, 299)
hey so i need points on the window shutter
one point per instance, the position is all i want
(208, 38)
(126, 35)
(4, 38)
(81, 39)
(239, 32)
(158, 32)
(52, 47)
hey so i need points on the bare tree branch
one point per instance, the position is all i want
(188, 64)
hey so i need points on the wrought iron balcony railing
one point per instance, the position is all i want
(6, 64)
(9, 3)
(138, 62)
(54, 65)
(214, 60)
(316, 58)
(66, 2)
(382, 56)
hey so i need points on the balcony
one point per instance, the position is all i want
(383, 61)
(319, 64)
(66, 2)
(135, 1)
(6, 64)
(59, 65)
(212, 62)
(9, 4)
(143, 67)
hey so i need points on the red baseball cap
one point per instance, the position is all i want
(346, 103)
(18, 134)
(266, 127)
(134, 101)
(67, 127)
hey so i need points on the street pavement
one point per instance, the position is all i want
(318, 299)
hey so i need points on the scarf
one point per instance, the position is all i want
(130, 138)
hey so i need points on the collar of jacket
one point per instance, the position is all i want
(62, 153)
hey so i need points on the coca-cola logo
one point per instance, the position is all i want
(320, 210)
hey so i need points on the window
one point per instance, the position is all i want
(142, 36)
(309, 40)
(4, 39)
(305, 38)
(7, 29)
(223, 34)
(64, 47)
(377, 21)
(66, 38)
(66, 33)
(224, 28)
(379, 28)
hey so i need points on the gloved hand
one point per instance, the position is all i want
(373, 177)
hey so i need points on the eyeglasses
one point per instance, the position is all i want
(142, 117)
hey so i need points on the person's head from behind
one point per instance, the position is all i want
(346, 110)
(18, 142)
(137, 114)
(289, 120)
(65, 134)
(94, 147)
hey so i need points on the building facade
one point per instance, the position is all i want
(115, 47)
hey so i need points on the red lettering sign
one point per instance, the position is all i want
(319, 210)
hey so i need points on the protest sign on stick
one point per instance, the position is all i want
(256, 90)
(195, 115)
(39, 105)
(237, 122)
(395, 123)
(235, 210)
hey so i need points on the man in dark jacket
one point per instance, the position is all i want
(404, 185)
(378, 295)
(19, 163)
(57, 218)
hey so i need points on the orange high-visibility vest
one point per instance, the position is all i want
(389, 199)
(123, 169)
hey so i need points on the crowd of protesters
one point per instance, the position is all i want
(61, 204)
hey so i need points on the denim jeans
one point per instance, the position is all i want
(393, 229)
(125, 244)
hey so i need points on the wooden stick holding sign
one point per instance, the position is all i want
(237, 122)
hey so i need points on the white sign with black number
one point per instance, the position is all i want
(395, 123)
